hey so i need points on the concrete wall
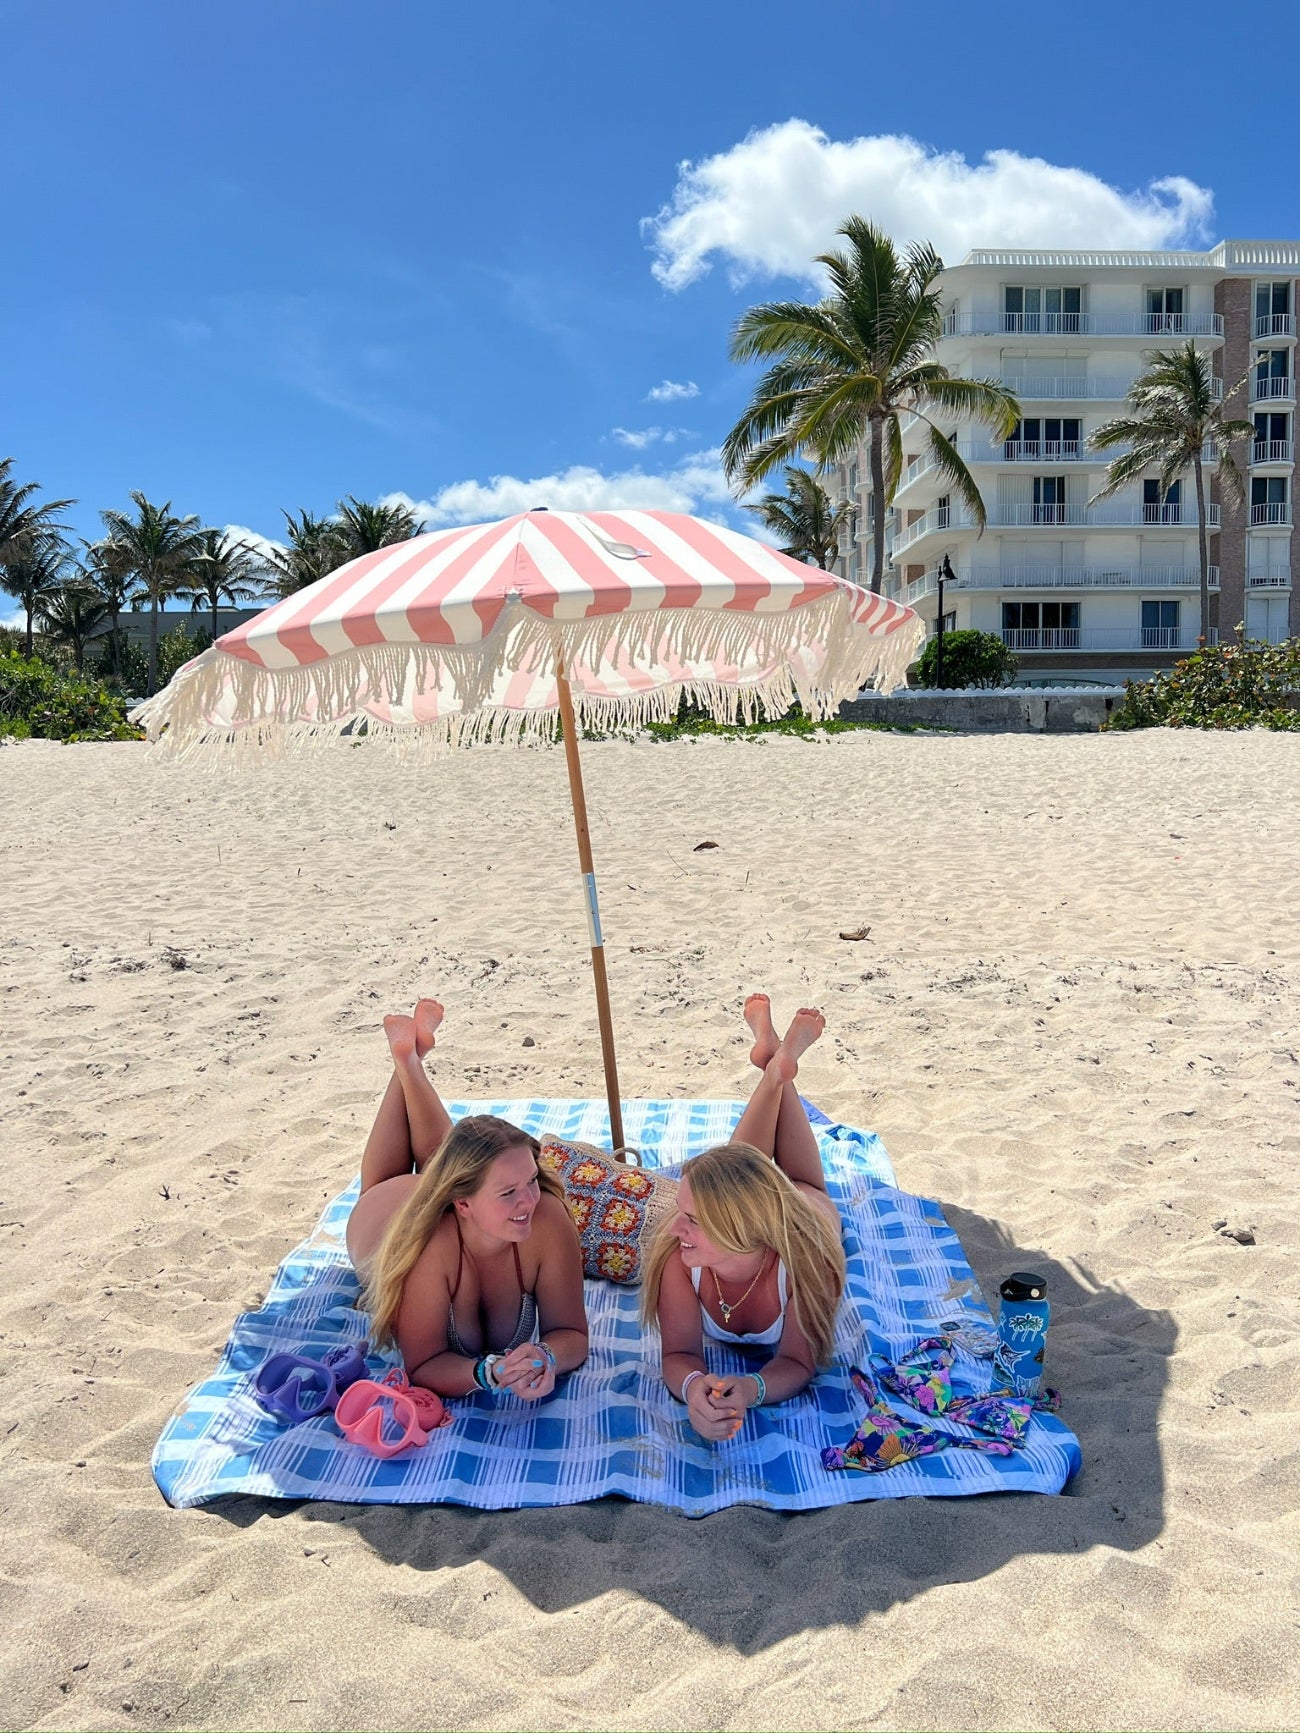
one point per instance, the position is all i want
(1014, 710)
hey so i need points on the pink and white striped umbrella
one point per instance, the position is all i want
(457, 635)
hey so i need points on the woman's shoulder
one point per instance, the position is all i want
(441, 1249)
(552, 1221)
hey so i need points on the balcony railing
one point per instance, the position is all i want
(1064, 578)
(1272, 451)
(1274, 511)
(1039, 451)
(1083, 324)
(1275, 385)
(1279, 578)
(1100, 638)
(949, 519)
(1063, 388)
(1275, 325)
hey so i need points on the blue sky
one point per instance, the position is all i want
(263, 254)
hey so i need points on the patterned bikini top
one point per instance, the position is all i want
(524, 1329)
(756, 1338)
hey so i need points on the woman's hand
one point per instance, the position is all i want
(736, 1394)
(711, 1417)
(527, 1371)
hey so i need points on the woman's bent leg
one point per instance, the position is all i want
(411, 1122)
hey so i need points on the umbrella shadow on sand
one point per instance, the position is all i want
(750, 1578)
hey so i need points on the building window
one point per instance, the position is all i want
(1272, 437)
(1269, 500)
(1272, 373)
(1049, 499)
(1164, 310)
(1273, 310)
(1160, 625)
(1040, 439)
(949, 622)
(942, 511)
(1033, 308)
(1041, 625)
(1158, 510)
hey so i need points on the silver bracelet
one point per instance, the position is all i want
(689, 1379)
(762, 1387)
(549, 1352)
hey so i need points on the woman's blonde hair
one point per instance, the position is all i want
(745, 1203)
(457, 1170)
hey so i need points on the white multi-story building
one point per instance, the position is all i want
(1111, 590)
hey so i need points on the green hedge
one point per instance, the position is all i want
(969, 659)
(40, 702)
(1242, 685)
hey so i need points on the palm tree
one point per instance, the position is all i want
(106, 567)
(19, 514)
(71, 614)
(1173, 416)
(36, 564)
(163, 550)
(315, 550)
(803, 520)
(229, 571)
(364, 529)
(849, 366)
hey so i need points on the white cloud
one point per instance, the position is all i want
(639, 438)
(671, 391)
(261, 545)
(693, 484)
(772, 202)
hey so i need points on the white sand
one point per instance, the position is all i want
(1074, 1021)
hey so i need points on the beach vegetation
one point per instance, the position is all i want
(806, 525)
(41, 702)
(228, 571)
(1242, 685)
(36, 568)
(318, 546)
(1173, 420)
(969, 659)
(847, 368)
(165, 552)
(108, 568)
(29, 535)
(70, 615)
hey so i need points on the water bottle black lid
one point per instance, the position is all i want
(1020, 1285)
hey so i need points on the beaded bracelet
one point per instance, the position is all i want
(485, 1372)
(762, 1388)
(549, 1353)
(689, 1379)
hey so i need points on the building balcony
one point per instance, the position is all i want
(1269, 390)
(1272, 512)
(1275, 325)
(948, 520)
(1083, 325)
(1278, 578)
(1273, 451)
(1057, 638)
(1062, 578)
(1064, 388)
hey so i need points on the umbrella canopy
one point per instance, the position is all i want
(457, 635)
(501, 631)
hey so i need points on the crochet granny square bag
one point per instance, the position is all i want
(615, 1208)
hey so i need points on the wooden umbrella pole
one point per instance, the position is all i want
(593, 908)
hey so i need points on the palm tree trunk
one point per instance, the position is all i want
(877, 503)
(1203, 538)
(152, 681)
(215, 600)
(30, 647)
(114, 650)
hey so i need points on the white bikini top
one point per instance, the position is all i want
(756, 1338)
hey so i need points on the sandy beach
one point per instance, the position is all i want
(1073, 1021)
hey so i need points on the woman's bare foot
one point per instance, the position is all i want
(428, 1020)
(401, 1035)
(806, 1026)
(758, 1014)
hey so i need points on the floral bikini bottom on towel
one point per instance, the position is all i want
(921, 1377)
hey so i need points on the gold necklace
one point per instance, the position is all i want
(735, 1306)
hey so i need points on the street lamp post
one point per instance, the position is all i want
(946, 576)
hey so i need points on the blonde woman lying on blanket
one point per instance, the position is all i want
(753, 1256)
(469, 1258)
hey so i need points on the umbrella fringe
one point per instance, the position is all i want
(818, 655)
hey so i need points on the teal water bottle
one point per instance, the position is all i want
(1022, 1335)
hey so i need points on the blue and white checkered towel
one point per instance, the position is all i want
(612, 1428)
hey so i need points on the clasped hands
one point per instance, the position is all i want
(526, 1372)
(717, 1407)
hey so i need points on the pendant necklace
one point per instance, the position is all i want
(735, 1305)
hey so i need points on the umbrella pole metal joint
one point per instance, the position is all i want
(587, 868)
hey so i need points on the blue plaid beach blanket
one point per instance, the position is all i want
(612, 1428)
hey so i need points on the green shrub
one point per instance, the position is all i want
(40, 702)
(969, 659)
(1241, 685)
